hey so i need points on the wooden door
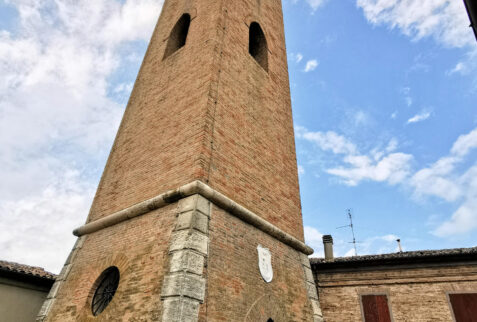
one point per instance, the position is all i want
(464, 307)
(376, 308)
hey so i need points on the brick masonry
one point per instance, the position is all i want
(417, 294)
(187, 261)
(139, 247)
(236, 290)
(209, 112)
(51, 297)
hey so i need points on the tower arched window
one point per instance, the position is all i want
(257, 46)
(178, 37)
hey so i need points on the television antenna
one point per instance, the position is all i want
(354, 242)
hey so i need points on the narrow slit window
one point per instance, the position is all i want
(178, 37)
(376, 308)
(258, 45)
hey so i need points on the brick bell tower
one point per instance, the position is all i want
(197, 216)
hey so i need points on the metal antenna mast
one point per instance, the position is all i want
(354, 242)
(352, 231)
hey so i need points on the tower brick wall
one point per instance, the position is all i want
(210, 112)
(233, 274)
(201, 176)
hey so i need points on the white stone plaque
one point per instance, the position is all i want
(265, 263)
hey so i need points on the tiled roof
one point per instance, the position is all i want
(421, 256)
(26, 270)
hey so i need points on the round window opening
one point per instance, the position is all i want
(106, 287)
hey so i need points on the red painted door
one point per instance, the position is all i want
(464, 307)
(376, 308)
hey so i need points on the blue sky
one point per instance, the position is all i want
(384, 98)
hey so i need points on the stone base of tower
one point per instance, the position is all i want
(186, 258)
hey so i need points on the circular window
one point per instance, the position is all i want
(107, 284)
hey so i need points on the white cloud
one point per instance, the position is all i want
(443, 179)
(377, 165)
(311, 65)
(301, 170)
(467, 65)
(373, 245)
(419, 117)
(298, 57)
(384, 244)
(327, 141)
(406, 91)
(436, 181)
(37, 229)
(464, 219)
(62, 54)
(314, 239)
(315, 4)
(445, 20)
(392, 168)
(465, 143)
(360, 118)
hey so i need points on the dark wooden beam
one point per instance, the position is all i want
(471, 6)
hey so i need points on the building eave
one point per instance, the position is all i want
(421, 258)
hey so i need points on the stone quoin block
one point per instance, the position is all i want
(64, 272)
(180, 309)
(45, 308)
(311, 290)
(54, 290)
(305, 261)
(195, 202)
(187, 261)
(184, 284)
(309, 274)
(186, 239)
(193, 220)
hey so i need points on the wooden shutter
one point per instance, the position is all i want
(464, 307)
(376, 308)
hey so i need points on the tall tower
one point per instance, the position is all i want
(197, 216)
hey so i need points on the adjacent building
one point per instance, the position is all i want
(438, 285)
(23, 289)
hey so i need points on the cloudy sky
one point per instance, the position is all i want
(384, 96)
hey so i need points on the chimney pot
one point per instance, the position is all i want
(328, 246)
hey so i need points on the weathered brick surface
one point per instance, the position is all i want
(210, 112)
(414, 294)
(139, 248)
(207, 112)
(228, 283)
(235, 288)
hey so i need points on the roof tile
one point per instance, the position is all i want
(25, 269)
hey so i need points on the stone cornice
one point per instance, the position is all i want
(196, 187)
